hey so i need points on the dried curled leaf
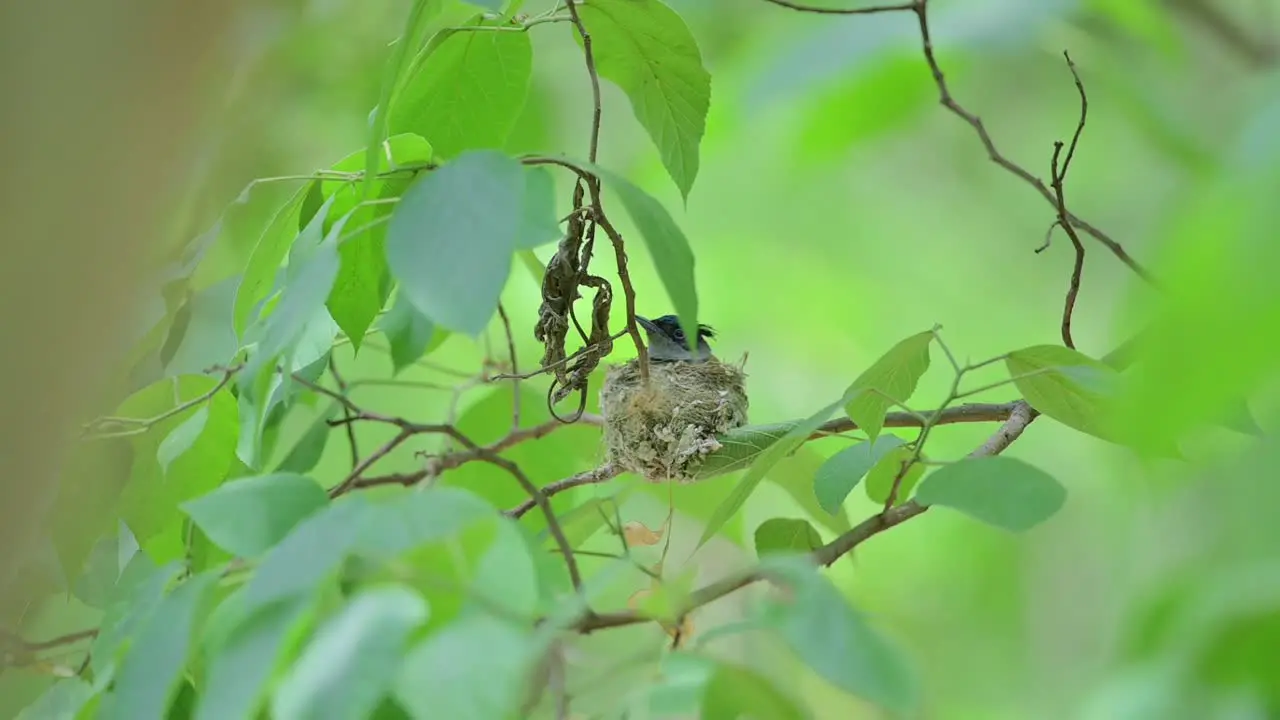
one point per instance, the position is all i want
(636, 533)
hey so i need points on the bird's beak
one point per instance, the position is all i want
(647, 324)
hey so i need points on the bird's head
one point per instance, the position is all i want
(667, 341)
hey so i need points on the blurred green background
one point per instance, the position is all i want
(839, 209)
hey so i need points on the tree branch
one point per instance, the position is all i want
(920, 8)
(827, 554)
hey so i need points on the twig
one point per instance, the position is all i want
(593, 184)
(544, 504)
(969, 413)
(137, 426)
(829, 553)
(1058, 176)
(452, 460)
(347, 413)
(515, 368)
(558, 363)
(844, 11)
(604, 473)
(596, 105)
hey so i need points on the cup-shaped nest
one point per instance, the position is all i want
(664, 430)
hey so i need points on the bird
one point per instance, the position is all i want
(667, 342)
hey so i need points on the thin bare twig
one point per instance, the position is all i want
(920, 8)
(593, 184)
(604, 473)
(829, 553)
(544, 504)
(136, 426)
(515, 368)
(346, 412)
(1058, 176)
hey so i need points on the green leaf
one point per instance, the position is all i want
(468, 91)
(408, 331)
(1001, 491)
(249, 516)
(452, 236)
(308, 281)
(62, 701)
(765, 460)
(362, 286)
(1066, 385)
(894, 376)
(740, 447)
(835, 641)
(182, 438)
(734, 692)
(472, 669)
(238, 673)
(786, 535)
(393, 77)
(506, 572)
(308, 555)
(842, 471)
(306, 453)
(265, 260)
(880, 479)
(794, 474)
(540, 225)
(412, 518)
(351, 662)
(138, 592)
(645, 48)
(669, 248)
(150, 502)
(153, 665)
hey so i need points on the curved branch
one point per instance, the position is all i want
(1021, 417)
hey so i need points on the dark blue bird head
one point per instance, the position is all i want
(667, 341)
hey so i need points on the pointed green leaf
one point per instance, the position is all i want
(786, 535)
(735, 691)
(306, 453)
(182, 437)
(540, 225)
(740, 447)
(452, 237)
(891, 378)
(795, 474)
(308, 555)
(250, 515)
(351, 662)
(765, 460)
(880, 479)
(240, 669)
(394, 76)
(645, 48)
(472, 669)
(1066, 385)
(154, 662)
(1001, 491)
(836, 641)
(360, 291)
(265, 260)
(408, 331)
(62, 701)
(313, 267)
(468, 90)
(842, 471)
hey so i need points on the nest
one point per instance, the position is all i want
(662, 432)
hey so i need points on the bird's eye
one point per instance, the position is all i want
(678, 334)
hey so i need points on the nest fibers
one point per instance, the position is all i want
(663, 431)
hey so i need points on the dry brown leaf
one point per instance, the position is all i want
(637, 534)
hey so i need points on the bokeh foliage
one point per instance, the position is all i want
(835, 211)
